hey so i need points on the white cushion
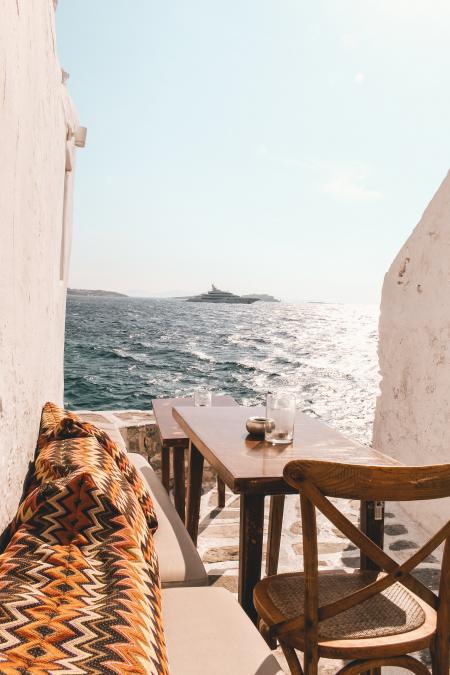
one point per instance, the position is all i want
(179, 561)
(207, 632)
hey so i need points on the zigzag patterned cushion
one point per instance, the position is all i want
(77, 594)
(78, 456)
(59, 424)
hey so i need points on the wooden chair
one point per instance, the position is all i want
(373, 618)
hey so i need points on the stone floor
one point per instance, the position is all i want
(218, 540)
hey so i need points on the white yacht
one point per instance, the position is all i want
(216, 295)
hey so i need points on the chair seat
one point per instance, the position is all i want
(395, 611)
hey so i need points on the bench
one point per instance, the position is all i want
(205, 628)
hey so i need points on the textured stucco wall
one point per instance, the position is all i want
(36, 146)
(412, 421)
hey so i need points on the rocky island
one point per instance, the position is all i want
(264, 297)
(95, 293)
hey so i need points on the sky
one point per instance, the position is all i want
(277, 146)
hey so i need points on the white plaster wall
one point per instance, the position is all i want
(36, 118)
(412, 420)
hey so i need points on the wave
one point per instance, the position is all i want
(123, 354)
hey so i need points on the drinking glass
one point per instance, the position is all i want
(202, 397)
(280, 417)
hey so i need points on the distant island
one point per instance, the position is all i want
(262, 296)
(88, 292)
(95, 293)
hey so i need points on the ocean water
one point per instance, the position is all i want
(123, 352)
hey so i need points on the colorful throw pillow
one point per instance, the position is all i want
(77, 456)
(58, 424)
(76, 593)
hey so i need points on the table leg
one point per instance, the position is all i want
(274, 534)
(165, 467)
(372, 524)
(220, 493)
(179, 482)
(250, 550)
(194, 494)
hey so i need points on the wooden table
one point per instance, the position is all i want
(174, 441)
(254, 469)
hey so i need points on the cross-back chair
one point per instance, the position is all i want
(372, 618)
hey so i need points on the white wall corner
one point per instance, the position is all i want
(412, 418)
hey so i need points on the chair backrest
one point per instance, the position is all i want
(317, 480)
(372, 483)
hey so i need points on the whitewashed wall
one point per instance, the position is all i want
(36, 119)
(412, 421)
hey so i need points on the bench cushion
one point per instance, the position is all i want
(179, 561)
(60, 456)
(60, 425)
(76, 593)
(208, 632)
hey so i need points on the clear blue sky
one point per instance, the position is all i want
(282, 146)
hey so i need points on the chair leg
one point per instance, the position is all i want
(292, 659)
(311, 661)
(440, 657)
(267, 634)
(374, 665)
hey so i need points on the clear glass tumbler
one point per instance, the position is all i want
(202, 397)
(280, 417)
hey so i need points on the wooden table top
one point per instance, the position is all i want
(253, 466)
(169, 431)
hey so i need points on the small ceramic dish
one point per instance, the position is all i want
(256, 426)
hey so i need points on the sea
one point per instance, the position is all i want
(122, 352)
